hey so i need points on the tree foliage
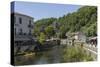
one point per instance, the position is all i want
(42, 38)
(49, 31)
(84, 20)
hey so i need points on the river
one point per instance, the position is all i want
(53, 55)
(56, 54)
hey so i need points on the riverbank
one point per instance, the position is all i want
(57, 54)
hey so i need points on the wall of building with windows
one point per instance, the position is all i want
(23, 24)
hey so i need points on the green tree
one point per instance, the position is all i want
(49, 31)
(62, 31)
(84, 19)
(36, 31)
(42, 38)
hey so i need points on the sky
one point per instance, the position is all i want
(44, 10)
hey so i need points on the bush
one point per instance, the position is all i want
(75, 54)
(42, 38)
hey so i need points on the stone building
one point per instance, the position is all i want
(23, 26)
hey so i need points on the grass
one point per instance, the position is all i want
(75, 54)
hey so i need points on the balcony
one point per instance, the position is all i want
(30, 26)
(16, 24)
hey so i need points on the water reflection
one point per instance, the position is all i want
(56, 54)
(53, 55)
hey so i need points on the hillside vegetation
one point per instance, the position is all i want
(84, 20)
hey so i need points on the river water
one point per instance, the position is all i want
(53, 55)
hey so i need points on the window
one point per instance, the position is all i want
(15, 31)
(20, 31)
(14, 19)
(29, 32)
(30, 25)
(29, 22)
(20, 20)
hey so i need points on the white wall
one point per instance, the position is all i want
(24, 25)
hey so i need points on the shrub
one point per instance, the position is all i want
(75, 54)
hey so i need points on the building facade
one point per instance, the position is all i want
(77, 36)
(23, 27)
(80, 36)
(23, 24)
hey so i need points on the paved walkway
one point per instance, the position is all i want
(91, 48)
